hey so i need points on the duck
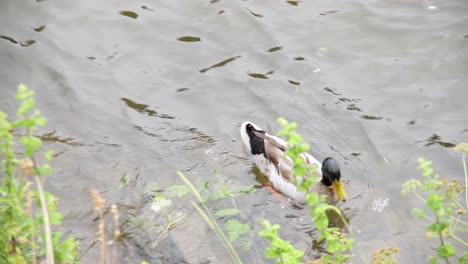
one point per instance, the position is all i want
(268, 154)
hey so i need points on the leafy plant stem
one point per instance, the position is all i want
(169, 225)
(218, 231)
(361, 254)
(441, 237)
(209, 219)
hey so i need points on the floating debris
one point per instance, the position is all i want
(144, 109)
(182, 89)
(294, 82)
(220, 64)
(353, 107)
(293, 3)
(27, 43)
(328, 12)
(299, 58)
(130, 14)
(436, 139)
(40, 28)
(51, 137)
(369, 117)
(254, 14)
(331, 90)
(274, 49)
(189, 39)
(260, 75)
(147, 8)
(12, 40)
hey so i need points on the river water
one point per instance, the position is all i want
(137, 90)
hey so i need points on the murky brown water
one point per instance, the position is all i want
(136, 90)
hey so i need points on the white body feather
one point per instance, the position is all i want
(274, 172)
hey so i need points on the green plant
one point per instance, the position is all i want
(337, 244)
(210, 220)
(386, 255)
(448, 215)
(26, 210)
(279, 249)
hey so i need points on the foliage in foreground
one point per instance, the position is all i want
(27, 212)
(337, 243)
(444, 211)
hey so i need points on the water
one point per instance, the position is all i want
(135, 91)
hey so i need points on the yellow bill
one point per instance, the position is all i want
(339, 189)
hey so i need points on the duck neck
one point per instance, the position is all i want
(326, 182)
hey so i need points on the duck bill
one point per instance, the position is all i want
(339, 189)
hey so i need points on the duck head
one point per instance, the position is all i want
(251, 140)
(331, 176)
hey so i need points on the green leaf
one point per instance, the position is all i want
(321, 220)
(312, 199)
(48, 155)
(176, 191)
(446, 250)
(438, 227)
(236, 229)
(44, 170)
(435, 202)
(418, 212)
(226, 212)
(31, 144)
(160, 202)
(55, 218)
(272, 252)
(410, 185)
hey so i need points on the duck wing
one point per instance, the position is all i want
(274, 150)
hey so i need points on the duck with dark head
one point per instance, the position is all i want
(268, 153)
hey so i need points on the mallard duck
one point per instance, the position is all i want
(268, 153)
